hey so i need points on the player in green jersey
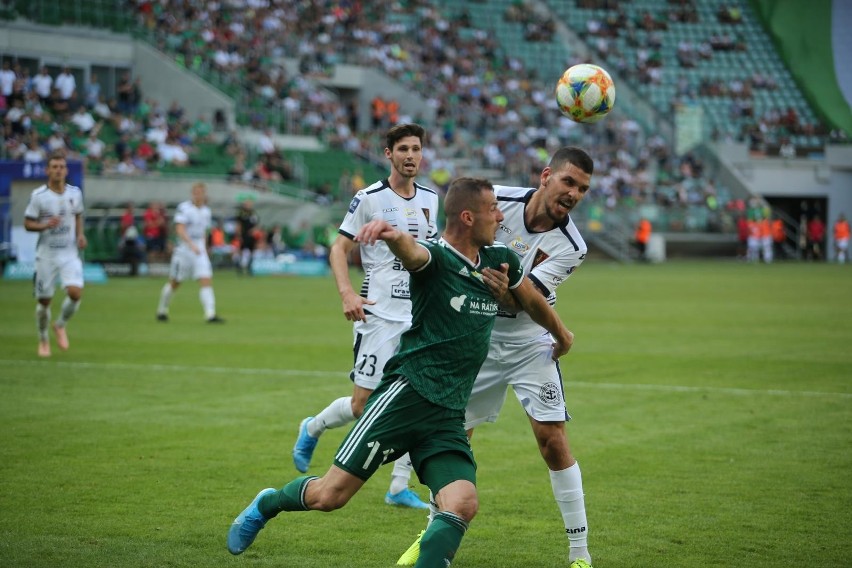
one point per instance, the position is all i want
(419, 405)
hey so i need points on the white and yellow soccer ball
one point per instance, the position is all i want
(585, 93)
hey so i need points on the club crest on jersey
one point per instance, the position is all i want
(410, 213)
(540, 256)
(353, 205)
(519, 246)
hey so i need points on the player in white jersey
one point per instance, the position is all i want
(382, 311)
(190, 259)
(55, 210)
(537, 226)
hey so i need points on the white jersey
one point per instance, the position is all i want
(547, 258)
(60, 241)
(385, 280)
(196, 220)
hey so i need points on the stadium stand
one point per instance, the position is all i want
(690, 52)
(486, 68)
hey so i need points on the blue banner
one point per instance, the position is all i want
(92, 273)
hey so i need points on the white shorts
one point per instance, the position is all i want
(842, 244)
(375, 342)
(532, 374)
(68, 269)
(188, 265)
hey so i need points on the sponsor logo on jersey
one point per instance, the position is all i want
(353, 205)
(550, 394)
(457, 302)
(505, 229)
(519, 246)
(482, 306)
(540, 256)
(390, 209)
(400, 290)
(557, 280)
(464, 271)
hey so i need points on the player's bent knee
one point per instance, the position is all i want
(466, 507)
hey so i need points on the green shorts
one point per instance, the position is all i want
(398, 420)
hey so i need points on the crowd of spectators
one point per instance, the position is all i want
(124, 134)
(489, 108)
(537, 26)
(480, 96)
(646, 38)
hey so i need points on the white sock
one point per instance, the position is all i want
(335, 415)
(165, 298)
(433, 509)
(568, 490)
(69, 308)
(401, 474)
(42, 320)
(208, 301)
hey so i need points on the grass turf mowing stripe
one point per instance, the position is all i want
(304, 372)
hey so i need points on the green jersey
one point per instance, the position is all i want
(452, 312)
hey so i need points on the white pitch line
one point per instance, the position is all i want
(177, 368)
(342, 373)
(720, 390)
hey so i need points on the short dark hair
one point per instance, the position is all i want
(56, 155)
(463, 194)
(573, 155)
(400, 131)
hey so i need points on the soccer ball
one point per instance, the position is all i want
(585, 93)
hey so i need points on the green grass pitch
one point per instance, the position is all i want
(712, 407)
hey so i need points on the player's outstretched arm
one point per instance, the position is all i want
(544, 315)
(412, 255)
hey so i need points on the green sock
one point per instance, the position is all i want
(441, 540)
(288, 498)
